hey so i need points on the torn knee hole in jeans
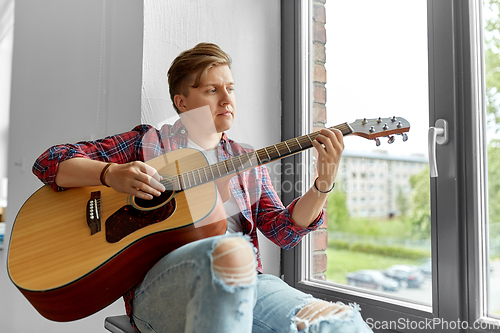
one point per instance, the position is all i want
(234, 264)
(321, 310)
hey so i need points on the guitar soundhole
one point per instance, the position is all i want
(145, 204)
(155, 202)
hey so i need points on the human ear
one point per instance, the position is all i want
(179, 101)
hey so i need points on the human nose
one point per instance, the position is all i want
(226, 98)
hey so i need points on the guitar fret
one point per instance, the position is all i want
(298, 143)
(220, 173)
(212, 171)
(258, 158)
(287, 147)
(179, 182)
(277, 150)
(205, 170)
(269, 157)
(242, 165)
(250, 159)
(232, 162)
(225, 166)
(309, 138)
(194, 179)
(199, 175)
(247, 157)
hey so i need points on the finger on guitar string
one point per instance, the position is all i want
(144, 186)
(331, 139)
(136, 178)
(153, 172)
(137, 192)
(329, 145)
(151, 179)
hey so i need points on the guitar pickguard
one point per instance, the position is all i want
(128, 219)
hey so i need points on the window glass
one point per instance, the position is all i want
(378, 216)
(491, 17)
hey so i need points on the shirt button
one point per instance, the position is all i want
(183, 131)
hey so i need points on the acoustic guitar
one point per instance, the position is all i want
(74, 252)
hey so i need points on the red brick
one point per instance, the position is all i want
(319, 73)
(319, 51)
(319, 32)
(319, 93)
(319, 115)
(319, 262)
(319, 13)
(320, 240)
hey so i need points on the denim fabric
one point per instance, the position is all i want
(182, 294)
(277, 303)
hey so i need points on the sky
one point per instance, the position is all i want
(377, 67)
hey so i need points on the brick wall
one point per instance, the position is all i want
(320, 236)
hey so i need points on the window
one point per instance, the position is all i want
(455, 223)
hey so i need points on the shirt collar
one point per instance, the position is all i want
(226, 144)
(180, 131)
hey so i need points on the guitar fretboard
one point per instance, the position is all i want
(248, 160)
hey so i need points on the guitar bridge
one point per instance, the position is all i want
(94, 212)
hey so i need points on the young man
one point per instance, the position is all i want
(214, 284)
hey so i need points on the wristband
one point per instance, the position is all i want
(103, 174)
(317, 189)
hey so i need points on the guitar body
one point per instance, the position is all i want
(68, 273)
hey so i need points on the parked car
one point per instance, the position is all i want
(426, 268)
(407, 276)
(372, 279)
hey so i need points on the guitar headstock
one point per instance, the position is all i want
(374, 128)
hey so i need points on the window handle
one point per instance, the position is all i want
(437, 135)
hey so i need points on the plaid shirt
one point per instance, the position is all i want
(252, 189)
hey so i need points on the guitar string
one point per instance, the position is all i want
(263, 155)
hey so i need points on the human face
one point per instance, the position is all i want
(216, 90)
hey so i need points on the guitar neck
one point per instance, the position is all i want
(250, 160)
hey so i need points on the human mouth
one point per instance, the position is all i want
(226, 113)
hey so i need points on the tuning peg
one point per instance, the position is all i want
(377, 141)
(405, 137)
(391, 139)
(394, 119)
(379, 120)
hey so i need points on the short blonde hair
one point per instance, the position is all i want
(193, 63)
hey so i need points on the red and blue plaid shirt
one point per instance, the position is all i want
(258, 201)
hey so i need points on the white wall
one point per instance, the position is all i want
(6, 42)
(70, 84)
(249, 31)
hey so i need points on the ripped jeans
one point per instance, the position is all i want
(187, 291)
